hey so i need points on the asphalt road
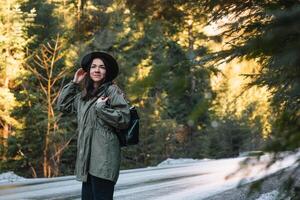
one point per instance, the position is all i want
(192, 181)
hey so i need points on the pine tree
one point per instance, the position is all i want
(267, 32)
(13, 41)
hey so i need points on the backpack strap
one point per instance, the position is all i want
(106, 93)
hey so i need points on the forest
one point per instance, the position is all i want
(210, 79)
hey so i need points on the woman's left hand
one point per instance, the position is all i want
(102, 99)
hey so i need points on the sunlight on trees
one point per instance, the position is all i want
(188, 78)
(13, 42)
(230, 84)
(233, 97)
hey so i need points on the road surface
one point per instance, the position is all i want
(193, 181)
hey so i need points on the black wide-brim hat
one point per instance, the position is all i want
(112, 68)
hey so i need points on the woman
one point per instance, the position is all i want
(101, 109)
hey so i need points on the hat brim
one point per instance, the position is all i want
(113, 65)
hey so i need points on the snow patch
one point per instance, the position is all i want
(271, 196)
(171, 161)
(9, 177)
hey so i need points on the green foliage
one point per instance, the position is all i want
(30, 138)
(270, 34)
(172, 94)
(229, 138)
(267, 32)
(13, 41)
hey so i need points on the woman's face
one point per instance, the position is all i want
(98, 70)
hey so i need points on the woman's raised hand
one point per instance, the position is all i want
(102, 99)
(79, 75)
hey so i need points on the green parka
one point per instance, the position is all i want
(98, 148)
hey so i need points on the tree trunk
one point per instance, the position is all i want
(6, 126)
(46, 165)
(79, 14)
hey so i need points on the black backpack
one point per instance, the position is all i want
(129, 136)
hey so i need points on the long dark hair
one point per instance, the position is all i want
(88, 87)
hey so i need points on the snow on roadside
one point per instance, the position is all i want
(171, 161)
(9, 177)
(273, 195)
(269, 196)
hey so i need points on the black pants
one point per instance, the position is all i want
(97, 189)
